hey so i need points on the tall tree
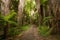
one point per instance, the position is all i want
(20, 12)
(5, 7)
(39, 11)
(0, 5)
(5, 11)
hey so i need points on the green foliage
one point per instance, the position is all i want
(27, 9)
(7, 19)
(25, 27)
(14, 5)
(43, 1)
(28, 6)
(46, 19)
(9, 16)
(43, 30)
(1, 21)
(13, 31)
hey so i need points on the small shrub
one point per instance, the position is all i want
(43, 30)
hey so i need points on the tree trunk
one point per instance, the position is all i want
(54, 9)
(5, 7)
(4, 12)
(20, 12)
(39, 11)
(0, 6)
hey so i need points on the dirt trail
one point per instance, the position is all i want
(32, 34)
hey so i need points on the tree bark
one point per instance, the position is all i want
(0, 6)
(20, 12)
(5, 7)
(4, 12)
(39, 11)
(55, 12)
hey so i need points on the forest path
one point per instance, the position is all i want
(32, 34)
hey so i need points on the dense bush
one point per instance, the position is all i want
(44, 29)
